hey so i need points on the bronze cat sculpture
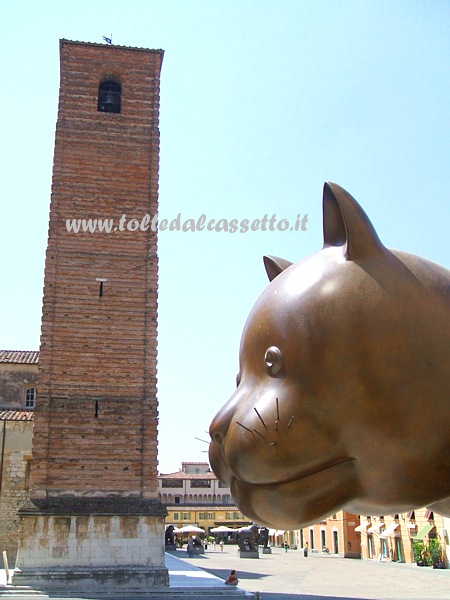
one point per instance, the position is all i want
(343, 394)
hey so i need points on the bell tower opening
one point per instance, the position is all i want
(109, 97)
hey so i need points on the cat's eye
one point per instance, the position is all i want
(273, 360)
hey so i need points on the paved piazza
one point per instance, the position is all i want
(289, 576)
(286, 576)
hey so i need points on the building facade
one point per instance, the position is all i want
(18, 375)
(18, 379)
(402, 537)
(335, 535)
(94, 502)
(194, 496)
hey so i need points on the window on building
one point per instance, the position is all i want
(177, 499)
(311, 539)
(176, 516)
(200, 483)
(202, 516)
(186, 516)
(109, 97)
(226, 499)
(211, 516)
(235, 516)
(30, 397)
(172, 483)
(323, 538)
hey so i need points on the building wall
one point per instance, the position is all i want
(398, 545)
(15, 459)
(194, 496)
(193, 483)
(336, 534)
(15, 379)
(207, 516)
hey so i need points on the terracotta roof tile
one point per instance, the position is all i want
(103, 45)
(16, 415)
(29, 357)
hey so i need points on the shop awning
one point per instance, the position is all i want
(422, 533)
(362, 526)
(387, 532)
(375, 528)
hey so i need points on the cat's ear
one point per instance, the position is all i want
(346, 224)
(274, 266)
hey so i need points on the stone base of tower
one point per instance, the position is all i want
(97, 545)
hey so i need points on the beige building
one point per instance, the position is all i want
(194, 496)
(18, 373)
(334, 535)
(393, 538)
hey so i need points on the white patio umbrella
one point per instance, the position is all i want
(222, 529)
(191, 529)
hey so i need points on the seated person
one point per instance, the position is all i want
(232, 578)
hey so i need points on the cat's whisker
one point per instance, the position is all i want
(244, 427)
(260, 434)
(260, 417)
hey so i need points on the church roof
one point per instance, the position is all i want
(8, 414)
(29, 357)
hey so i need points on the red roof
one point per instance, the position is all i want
(29, 357)
(16, 415)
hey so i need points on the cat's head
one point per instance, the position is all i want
(337, 369)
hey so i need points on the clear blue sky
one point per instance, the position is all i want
(261, 102)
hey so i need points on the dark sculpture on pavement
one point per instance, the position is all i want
(264, 537)
(169, 536)
(343, 392)
(248, 538)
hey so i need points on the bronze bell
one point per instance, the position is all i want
(109, 103)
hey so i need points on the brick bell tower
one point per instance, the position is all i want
(95, 518)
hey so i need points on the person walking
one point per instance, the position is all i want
(190, 548)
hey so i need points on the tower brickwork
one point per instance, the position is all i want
(94, 470)
(96, 419)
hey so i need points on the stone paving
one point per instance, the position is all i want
(289, 576)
